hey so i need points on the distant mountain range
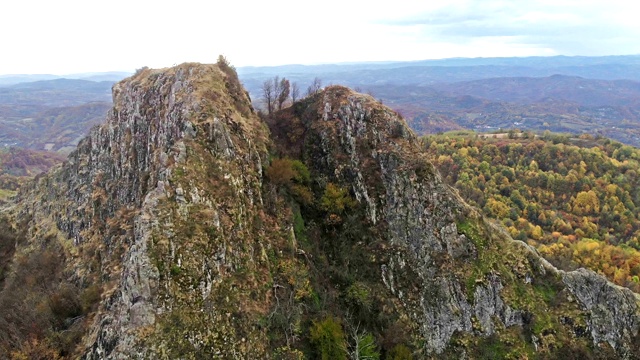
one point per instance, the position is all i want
(557, 103)
(529, 90)
(597, 95)
(111, 76)
(448, 70)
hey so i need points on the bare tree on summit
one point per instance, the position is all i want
(275, 92)
(295, 92)
(315, 87)
(283, 92)
(268, 94)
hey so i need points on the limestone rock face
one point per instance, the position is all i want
(199, 254)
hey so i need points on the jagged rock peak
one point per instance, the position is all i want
(122, 159)
(179, 144)
(342, 103)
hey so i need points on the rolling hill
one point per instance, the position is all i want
(53, 114)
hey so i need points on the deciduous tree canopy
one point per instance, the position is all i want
(576, 200)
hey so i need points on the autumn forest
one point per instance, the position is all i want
(574, 199)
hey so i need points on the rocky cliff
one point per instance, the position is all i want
(462, 280)
(158, 206)
(187, 227)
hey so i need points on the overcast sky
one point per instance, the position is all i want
(68, 36)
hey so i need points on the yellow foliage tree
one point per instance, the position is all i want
(586, 202)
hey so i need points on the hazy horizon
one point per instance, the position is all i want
(364, 62)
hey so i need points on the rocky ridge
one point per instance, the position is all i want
(455, 272)
(168, 208)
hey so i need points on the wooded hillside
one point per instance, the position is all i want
(575, 199)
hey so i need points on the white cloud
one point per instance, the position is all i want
(564, 27)
(67, 36)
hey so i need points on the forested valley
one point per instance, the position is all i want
(575, 200)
